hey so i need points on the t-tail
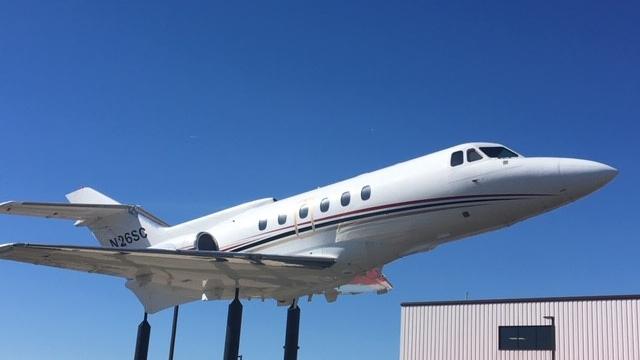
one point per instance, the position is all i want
(133, 228)
(114, 225)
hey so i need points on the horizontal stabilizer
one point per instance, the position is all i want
(86, 213)
(163, 278)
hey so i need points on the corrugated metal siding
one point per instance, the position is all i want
(585, 330)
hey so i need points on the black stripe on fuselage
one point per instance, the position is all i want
(385, 211)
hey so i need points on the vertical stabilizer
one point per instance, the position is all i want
(131, 228)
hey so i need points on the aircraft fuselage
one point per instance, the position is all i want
(377, 217)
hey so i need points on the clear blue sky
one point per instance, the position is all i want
(190, 108)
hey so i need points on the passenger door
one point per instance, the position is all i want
(304, 218)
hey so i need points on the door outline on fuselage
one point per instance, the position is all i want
(310, 216)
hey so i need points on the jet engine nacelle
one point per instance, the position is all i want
(206, 242)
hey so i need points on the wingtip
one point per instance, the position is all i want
(6, 247)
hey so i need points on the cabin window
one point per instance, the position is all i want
(457, 158)
(282, 219)
(324, 205)
(262, 224)
(345, 199)
(499, 152)
(472, 155)
(365, 193)
(303, 212)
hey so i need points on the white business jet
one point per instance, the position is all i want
(332, 240)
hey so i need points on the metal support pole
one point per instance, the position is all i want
(293, 330)
(553, 325)
(142, 342)
(173, 332)
(234, 322)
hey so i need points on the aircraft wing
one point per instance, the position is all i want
(164, 278)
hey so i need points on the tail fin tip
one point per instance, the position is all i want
(87, 195)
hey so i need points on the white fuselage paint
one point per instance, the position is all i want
(414, 206)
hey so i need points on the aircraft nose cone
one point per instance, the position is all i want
(582, 177)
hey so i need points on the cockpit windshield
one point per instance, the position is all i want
(498, 152)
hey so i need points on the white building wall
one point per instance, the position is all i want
(586, 329)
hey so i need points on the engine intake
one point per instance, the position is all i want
(206, 242)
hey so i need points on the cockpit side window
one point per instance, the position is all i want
(472, 155)
(457, 158)
(498, 152)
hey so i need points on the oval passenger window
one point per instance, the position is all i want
(365, 194)
(304, 211)
(324, 205)
(345, 199)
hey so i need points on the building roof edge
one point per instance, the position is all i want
(522, 300)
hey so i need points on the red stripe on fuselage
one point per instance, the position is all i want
(247, 240)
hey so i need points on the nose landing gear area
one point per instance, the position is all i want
(232, 338)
